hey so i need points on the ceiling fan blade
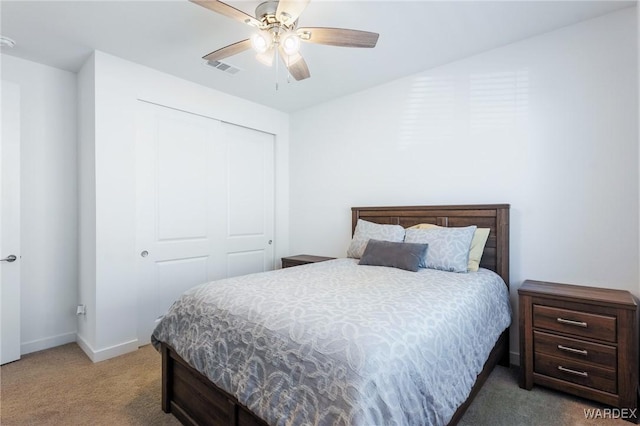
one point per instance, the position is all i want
(296, 65)
(338, 37)
(229, 50)
(289, 10)
(228, 11)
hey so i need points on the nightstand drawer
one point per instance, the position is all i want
(575, 349)
(576, 372)
(577, 323)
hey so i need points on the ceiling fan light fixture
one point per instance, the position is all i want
(290, 44)
(292, 59)
(305, 35)
(260, 42)
(266, 58)
(278, 34)
(284, 17)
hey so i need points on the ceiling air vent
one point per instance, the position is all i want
(229, 69)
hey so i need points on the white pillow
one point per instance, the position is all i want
(448, 247)
(367, 230)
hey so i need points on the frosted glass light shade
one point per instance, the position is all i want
(266, 58)
(260, 42)
(290, 44)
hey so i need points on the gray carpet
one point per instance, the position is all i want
(61, 386)
(501, 402)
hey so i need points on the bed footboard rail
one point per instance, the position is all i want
(194, 400)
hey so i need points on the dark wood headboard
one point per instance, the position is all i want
(495, 216)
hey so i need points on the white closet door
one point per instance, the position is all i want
(196, 181)
(248, 234)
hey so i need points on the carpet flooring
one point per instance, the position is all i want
(501, 402)
(61, 386)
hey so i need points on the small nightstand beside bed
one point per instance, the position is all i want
(580, 340)
(303, 259)
(337, 342)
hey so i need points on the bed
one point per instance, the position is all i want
(335, 363)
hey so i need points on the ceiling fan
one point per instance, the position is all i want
(279, 35)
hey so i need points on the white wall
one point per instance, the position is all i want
(49, 202)
(117, 86)
(87, 202)
(548, 124)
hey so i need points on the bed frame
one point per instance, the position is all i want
(194, 400)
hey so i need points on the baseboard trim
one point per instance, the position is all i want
(47, 343)
(514, 358)
(106, 353)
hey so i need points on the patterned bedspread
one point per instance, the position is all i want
(337, 343)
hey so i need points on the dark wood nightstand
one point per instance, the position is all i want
(302, 259)
(580, 340)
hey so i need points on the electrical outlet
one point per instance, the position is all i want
(81, 310)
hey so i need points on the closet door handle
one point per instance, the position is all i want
(10, 258)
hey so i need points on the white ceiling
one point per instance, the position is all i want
(173, 35)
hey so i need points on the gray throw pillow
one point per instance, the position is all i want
(396, 255)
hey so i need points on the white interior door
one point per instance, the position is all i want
(10, 224)
(191, 224)
(248, 238)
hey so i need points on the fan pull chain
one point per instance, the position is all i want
(277, 62)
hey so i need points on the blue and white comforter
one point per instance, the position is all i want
(336, 343)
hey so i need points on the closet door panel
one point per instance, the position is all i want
(175, 207)
(181, 177)
(205, 205)
(250, 200)
(245, 262)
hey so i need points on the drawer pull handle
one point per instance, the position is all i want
(570, 322)
(570, 371)
(573, 350)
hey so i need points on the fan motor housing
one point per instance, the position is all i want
(265, 9)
